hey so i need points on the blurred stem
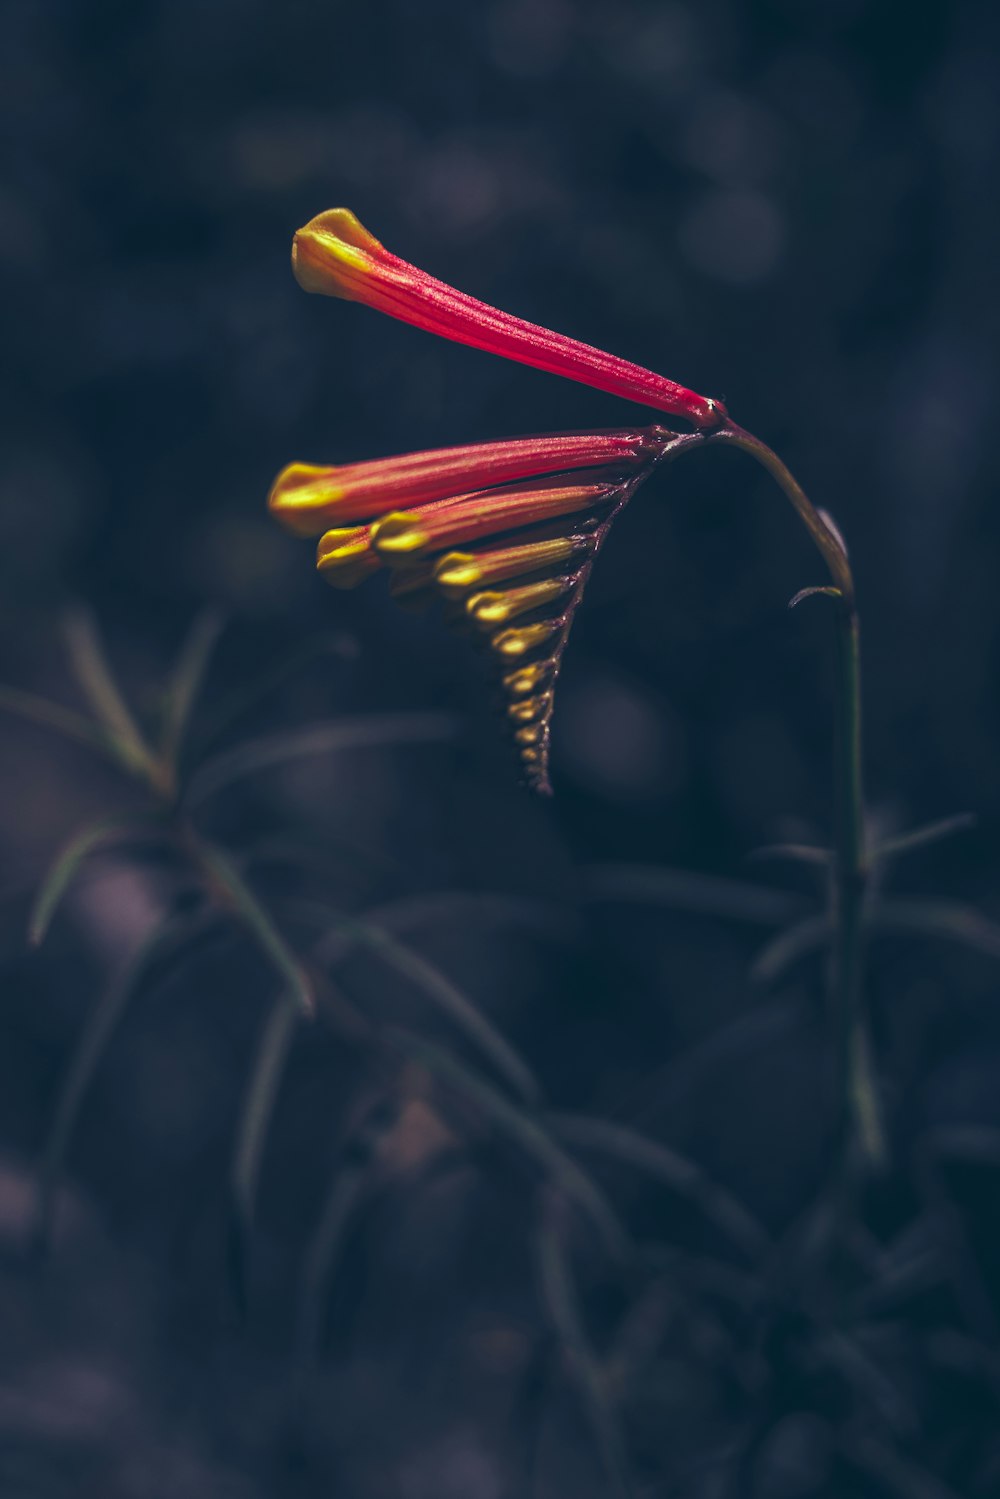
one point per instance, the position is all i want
(860, 1122)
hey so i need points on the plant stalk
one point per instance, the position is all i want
(860, 1124)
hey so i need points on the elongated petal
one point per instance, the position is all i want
(413, 534)
(457, 572)
(335, 255)
(309, 499)
(497, 606)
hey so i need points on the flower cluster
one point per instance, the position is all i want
(504, 532)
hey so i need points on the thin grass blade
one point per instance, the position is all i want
(98, 685)
(561, 1300)
(328, 738)
(676, 1171)
(931, 832)
(168, 938)
(443, 994)
(680, 890)
(790, 947)
(268, 1070)
(48, 715)
(67, 863)
(186, 682)
(531, 1137)
(949, 920)
(237, 896)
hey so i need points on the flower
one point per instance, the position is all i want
(336, 255)
(504, 534)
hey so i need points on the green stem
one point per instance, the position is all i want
(861, 1115)
(860, 1122)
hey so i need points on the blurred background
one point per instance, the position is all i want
(788, 206)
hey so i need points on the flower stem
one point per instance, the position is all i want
(860, 1124)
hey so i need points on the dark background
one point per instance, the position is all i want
(789, 206)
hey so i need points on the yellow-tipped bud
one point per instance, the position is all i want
(496, 608)
(331, 252)
(399, 536)
(529, 709)
(514, 643)
(345, 557)
(528, 679)
(459, 571)
(530, 734)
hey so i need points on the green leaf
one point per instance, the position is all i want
(327, 738)
(67, 862)
(789, 947)
(441, 991)
(237, 896)
(47, 715)
(523, 1130)
(164, 941)
(185, 683)
(677, 1172)
(680, 890)
(949, 920)
(101, 691)
(795, 853)
(561, 1299)
(350, 1184)
(255, 1118)
(931, 832)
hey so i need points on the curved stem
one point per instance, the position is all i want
(860, 1121)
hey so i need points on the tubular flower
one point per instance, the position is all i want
(508, 561)
(503, 534)
(336, 255)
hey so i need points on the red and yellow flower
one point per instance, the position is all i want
(504, 532)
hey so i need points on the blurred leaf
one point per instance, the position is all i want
(164, 941)
(99, 687)
(795, 853)
(251, 1133)
(789, 947)
(327, 856)
(649, 884)
(937, 918)
(347, 1190)
(561, 1300)
(931, 832)
(186, 681)
(68, 861)
(327, 738)
(242, 699)
(899, 1476)
(238, 897)
(524, 1130)
(419, 911)
(49, 715)
(677, 1172)
(439, 989)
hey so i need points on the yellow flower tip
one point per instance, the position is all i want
(489, 608)
(531, 734)
(529, 709)
(398, 536)
(514, 643)
(456, 572)
(528, 679)
(345, 558)
(331, 252)
(300, 496)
